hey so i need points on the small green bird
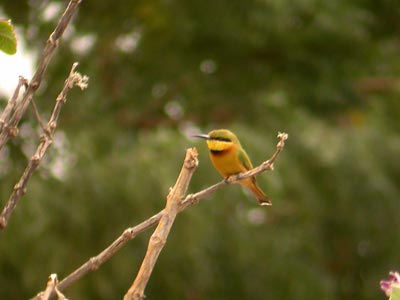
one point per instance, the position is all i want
(229, 158)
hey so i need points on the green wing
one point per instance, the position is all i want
(244, 159)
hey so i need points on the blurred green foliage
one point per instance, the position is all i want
(326, 72)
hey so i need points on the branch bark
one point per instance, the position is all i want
(95, 262)
(46, 140)
(9, 129)
(160, 235)
(50, 288)
(5, 116)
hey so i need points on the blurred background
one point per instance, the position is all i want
(326, 72)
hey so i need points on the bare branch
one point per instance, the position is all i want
(160, 235)
(37, 115)
(49, 50)
(95, 262)
(5, 116)
(50, 288)
(46, 140)
(51, 284)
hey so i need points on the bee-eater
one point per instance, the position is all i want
(229, 158)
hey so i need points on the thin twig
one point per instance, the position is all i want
(37, 114)
(49, 50)
(95, 262)
(160, 235)
(46, 140)
(5, 116)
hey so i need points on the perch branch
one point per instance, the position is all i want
(160, 235)
(95, 262)
(46, 140)
(10, 130)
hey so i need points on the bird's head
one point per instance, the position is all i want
(219, 139)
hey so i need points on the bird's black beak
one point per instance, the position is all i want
(202, 136)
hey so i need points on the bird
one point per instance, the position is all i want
(229, 158)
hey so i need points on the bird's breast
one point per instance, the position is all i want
(227, 162)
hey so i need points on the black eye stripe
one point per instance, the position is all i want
(221, 139)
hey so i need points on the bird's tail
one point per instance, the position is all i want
(260, 196)
(258, 193)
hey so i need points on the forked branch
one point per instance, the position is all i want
(175, 204)
(160, 235)
(46, 140)
(9, 128)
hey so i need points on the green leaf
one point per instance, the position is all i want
(395, 293)
(8, 39)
